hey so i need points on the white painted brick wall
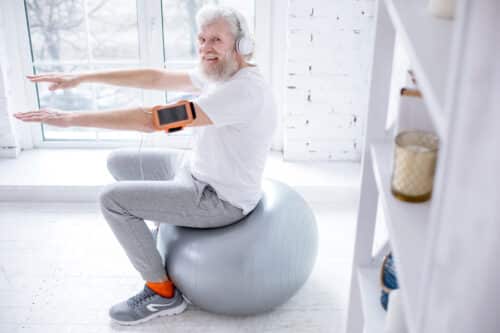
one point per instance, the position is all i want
(328, 62)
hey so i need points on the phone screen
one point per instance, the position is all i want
(170, 115)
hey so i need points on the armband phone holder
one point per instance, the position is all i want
(173, 117)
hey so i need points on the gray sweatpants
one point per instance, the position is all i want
(168, 194)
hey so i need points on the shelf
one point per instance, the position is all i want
(427, 40)
(373, 313)
(407, 225)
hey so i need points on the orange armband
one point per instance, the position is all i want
(173, 117)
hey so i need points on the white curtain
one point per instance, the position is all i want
(14, 97)
(9, 146)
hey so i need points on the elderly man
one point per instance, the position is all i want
(235, 122)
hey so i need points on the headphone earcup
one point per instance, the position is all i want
(244, 46)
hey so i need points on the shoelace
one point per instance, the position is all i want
(141, 297)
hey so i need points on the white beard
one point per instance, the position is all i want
(223, 70)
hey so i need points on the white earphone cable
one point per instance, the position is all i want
(141, 169)
(140, 157)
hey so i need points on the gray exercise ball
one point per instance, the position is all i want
(248, 267)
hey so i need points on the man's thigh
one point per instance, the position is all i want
(146, 164)
(181, 201)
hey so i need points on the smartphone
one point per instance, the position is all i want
(173, 117)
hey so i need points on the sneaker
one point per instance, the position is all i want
(145, 306)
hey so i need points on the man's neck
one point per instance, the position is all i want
(242, 64)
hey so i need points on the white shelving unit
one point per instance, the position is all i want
(406, 237)
(368, 284)
(458, 72)
(427, 41)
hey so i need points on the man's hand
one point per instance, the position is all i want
(58, 80)
(47, 116)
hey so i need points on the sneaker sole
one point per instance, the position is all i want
(168, 312)
(187, 299)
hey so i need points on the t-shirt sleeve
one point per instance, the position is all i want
(234, 102)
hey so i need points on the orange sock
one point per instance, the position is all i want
(164, 289)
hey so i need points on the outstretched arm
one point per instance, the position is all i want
(145, 78)
(135, 119)
(121, 119)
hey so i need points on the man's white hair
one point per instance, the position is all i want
(237, 23)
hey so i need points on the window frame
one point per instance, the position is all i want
(150, 28)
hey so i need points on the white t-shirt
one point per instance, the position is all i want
(231, 153)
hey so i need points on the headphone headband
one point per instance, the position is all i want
(244, 44)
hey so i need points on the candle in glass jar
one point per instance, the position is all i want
(442, 8)
(414, 163)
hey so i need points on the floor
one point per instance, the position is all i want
(61, 268)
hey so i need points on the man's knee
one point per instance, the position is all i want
(117, 159)
(109, 196)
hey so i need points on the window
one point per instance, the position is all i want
(88, 35)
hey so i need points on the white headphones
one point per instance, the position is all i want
(244, 44)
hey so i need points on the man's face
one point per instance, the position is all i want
(216, 50)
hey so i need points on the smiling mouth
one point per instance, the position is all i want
(210, 59)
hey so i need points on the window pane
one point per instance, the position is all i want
(79, 98)
(59, 34)
(113, 29)
(83, 98)
(76, 99)
(108, 96)
(57, 29)
(112, 97)
(52, 133)
(179, 22)
(118, 135)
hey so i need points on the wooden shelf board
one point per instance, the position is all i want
(407, 226)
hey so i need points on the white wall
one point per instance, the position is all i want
(277, 49)
(327, 78)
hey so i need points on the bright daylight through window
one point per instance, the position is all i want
(88, 35)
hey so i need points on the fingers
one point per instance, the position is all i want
(30, 116)
(52, 74)
(26, 114)
(41, 111)
(44, 78)
(39, 76)
(46, 116)
(39, 115)
(56, 81)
